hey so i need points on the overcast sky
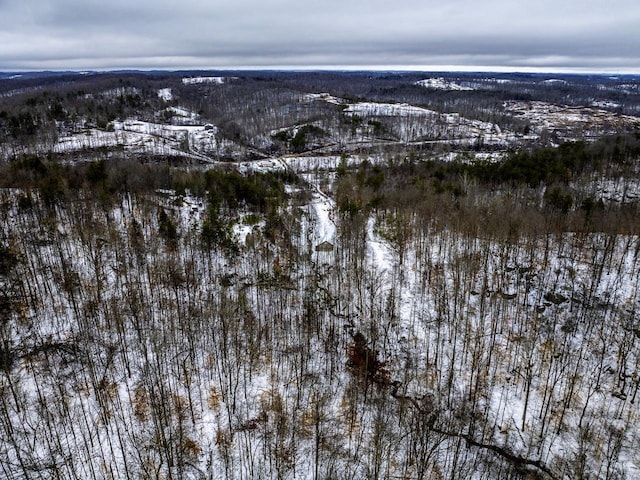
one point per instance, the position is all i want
(549, 35)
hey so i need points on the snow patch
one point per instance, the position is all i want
(165, 94)
(440, 83)
(312, 97)
(322, 208)
(212, 80)
(387, 109)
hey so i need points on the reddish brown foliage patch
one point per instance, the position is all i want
(364, 361)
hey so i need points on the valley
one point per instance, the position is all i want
(319, 275)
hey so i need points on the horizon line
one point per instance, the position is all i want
(347, 68)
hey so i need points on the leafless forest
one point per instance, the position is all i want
(319, 276)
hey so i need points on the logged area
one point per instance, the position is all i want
(319, 275)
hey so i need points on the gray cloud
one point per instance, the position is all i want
(77, 34)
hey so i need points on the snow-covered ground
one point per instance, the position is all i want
(439, 83)
(412, 123)
(117, 92)
(322, 217)
(571, 122)
(165, 94)
(138, 136)
(237, 362)
(387, 109)
(200, 80)
(124, 354)
(605, 104)
(312, 97)
(618, 190)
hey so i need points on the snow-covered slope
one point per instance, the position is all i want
(128, 354)
(145, 137)
(440, 83)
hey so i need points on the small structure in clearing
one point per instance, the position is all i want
(324, 247)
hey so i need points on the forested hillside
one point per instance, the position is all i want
(318, 276)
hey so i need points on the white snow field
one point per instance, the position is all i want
(145, 137)
(439, 83)
(199, 80)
